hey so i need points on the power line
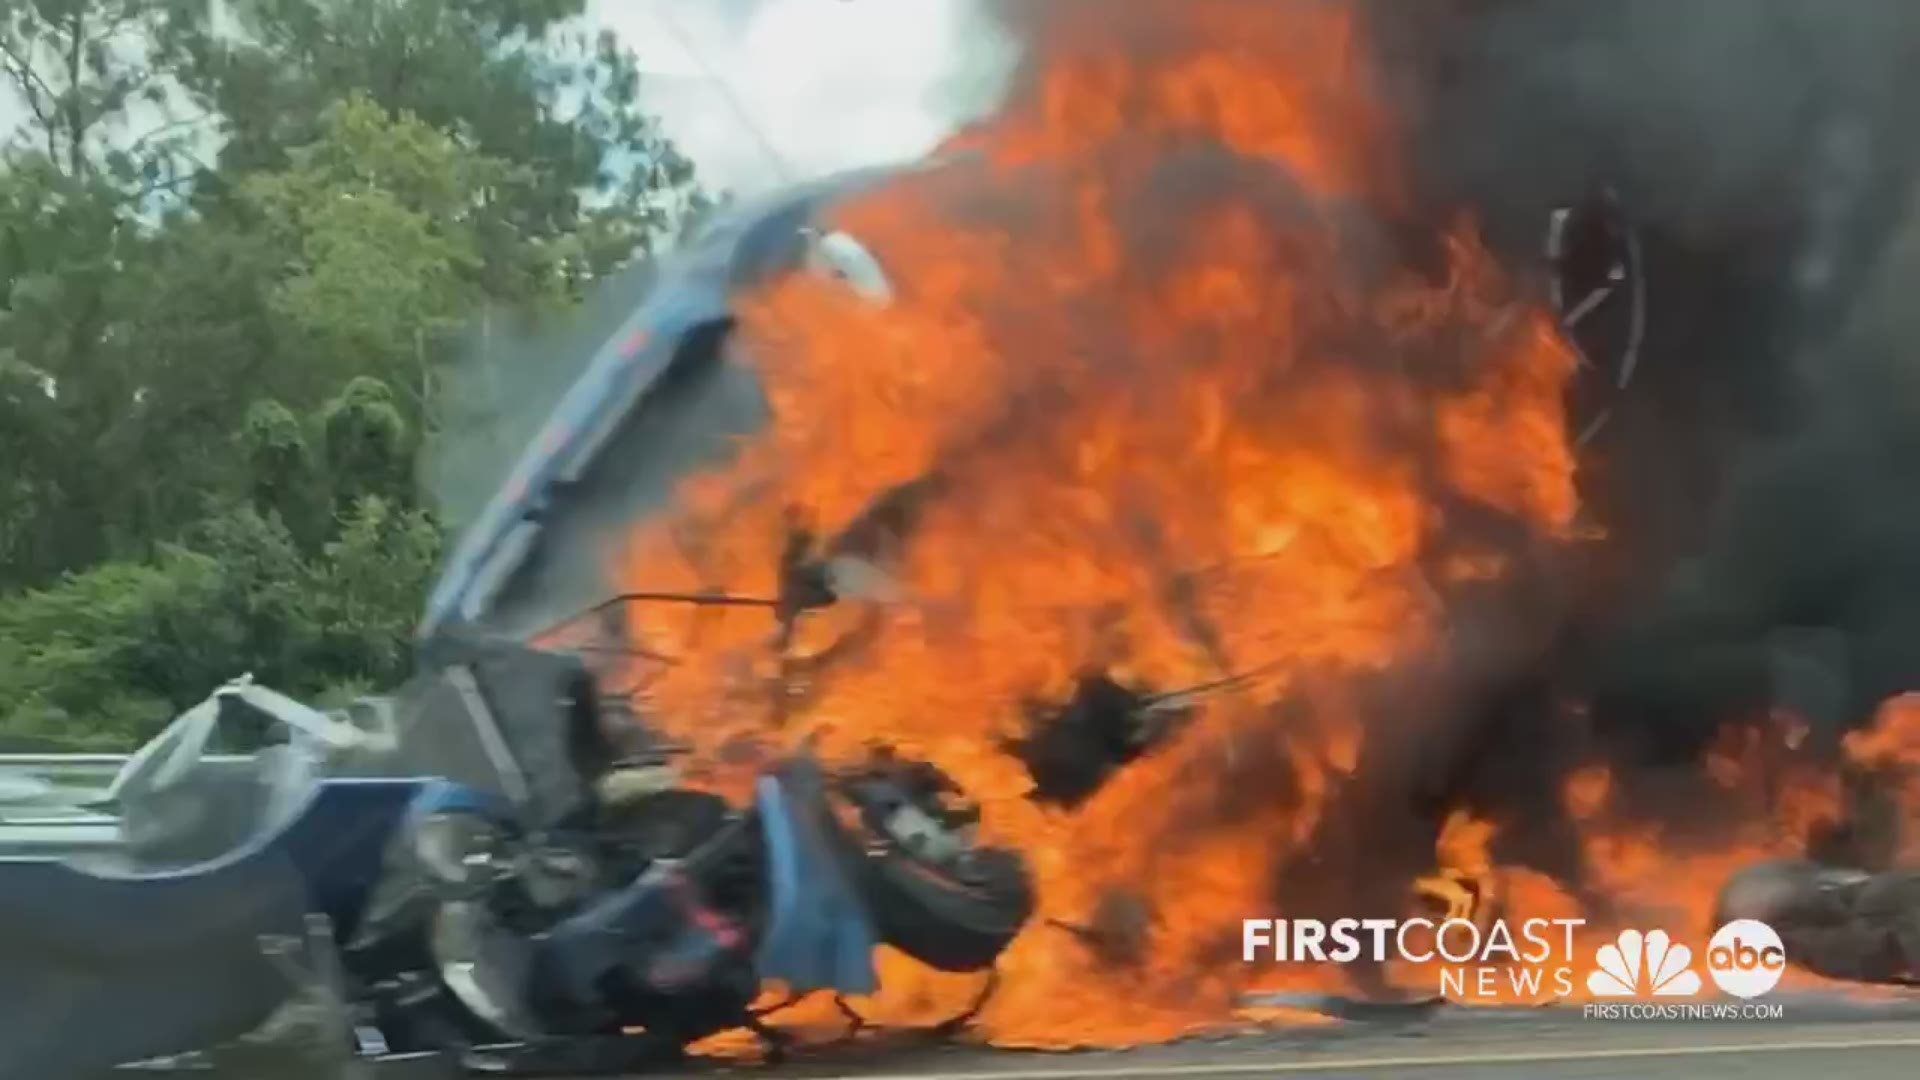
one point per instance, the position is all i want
(734, 103)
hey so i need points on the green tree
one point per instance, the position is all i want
(368, 445)
(103, 139)
(281, 465)
(376, 224)
(106, 656)
(593, 181)
(369, 586)
(232, 260)
(86, 72)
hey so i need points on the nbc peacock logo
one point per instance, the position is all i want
(1635, 964)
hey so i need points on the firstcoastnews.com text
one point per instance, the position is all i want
(1706, 1010)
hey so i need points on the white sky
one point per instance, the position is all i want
(758, 92)
(827, 84)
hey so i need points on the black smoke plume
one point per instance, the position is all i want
(1762, 540)
(1756, 486)
(1761, 535)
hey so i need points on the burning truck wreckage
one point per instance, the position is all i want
(1308, 459)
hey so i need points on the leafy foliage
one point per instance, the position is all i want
(107, 655)
(237, 244)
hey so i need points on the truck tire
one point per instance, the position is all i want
(949, 919)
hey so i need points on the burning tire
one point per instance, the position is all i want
(1838, 922)
(933, 894)
(1598, 290)
(957, 918)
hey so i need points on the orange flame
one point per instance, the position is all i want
(1889, 750)
(1168, 412)
(1658, 852)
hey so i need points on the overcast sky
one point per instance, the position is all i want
(759, 91)
(756, 89)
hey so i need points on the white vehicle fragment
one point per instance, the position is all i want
(839, 256)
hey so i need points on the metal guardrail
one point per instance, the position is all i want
(58, 765)
(63, 764)
(45, 803)
(63, 759)
(69, 779)
(64, 780)
(39, 783)
(86, 760)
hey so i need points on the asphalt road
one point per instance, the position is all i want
(1815, 1040)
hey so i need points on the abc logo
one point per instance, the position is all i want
(1746, 958)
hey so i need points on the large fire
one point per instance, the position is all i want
(1167, 393)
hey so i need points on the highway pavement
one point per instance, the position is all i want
(1816, 1038)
